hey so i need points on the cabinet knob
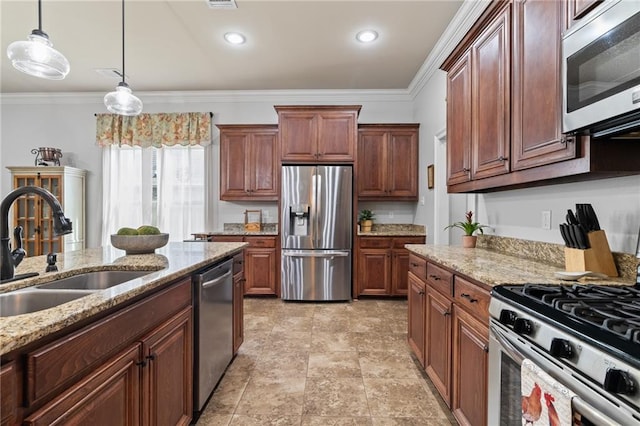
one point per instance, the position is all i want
(501, 158)
(435, 277)
(421, 292)
(151, 357)
(446, 313)
(142, 363)
(466, 169)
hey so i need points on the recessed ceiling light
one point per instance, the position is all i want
(234, 38)
(366, 36)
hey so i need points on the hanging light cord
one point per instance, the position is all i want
(123, 41)
(40, 15)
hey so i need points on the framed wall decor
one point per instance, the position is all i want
(430, 176)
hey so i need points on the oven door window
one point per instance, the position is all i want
(609, 65)
(510, 394)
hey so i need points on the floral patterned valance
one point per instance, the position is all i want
(154, 130)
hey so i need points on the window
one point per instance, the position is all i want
(163, 187)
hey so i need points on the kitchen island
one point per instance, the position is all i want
(106, 356)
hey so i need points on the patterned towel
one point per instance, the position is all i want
(544, 400)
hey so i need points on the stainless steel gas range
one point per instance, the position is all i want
(586, 337)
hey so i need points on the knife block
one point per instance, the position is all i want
(598, 258)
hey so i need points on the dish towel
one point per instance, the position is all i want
(544, 400)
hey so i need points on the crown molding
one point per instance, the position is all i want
(463, 20)
(274, 96)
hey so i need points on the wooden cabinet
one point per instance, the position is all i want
(111, 395)
(388, 162)
(9, 393)
(470, 367)
(490, 98)
(238, 301)
(382, 265)
(577, 9)
(417, 316)
(249, 166)
(438, 342)
(454, 348)
(168, 372)
(131, 366)
(504, 108)
(478, 104)
(67, 184)
(537, 137)
(261, 261)
(318, 133)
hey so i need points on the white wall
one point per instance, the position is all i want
(67, 121)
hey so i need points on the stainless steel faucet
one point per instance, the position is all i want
(11, 259)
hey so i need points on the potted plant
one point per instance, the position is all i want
(365, 219)
(469, 227)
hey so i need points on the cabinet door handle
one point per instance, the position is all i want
(501, 158)
(435, 277)
(446, 313)
(151, 357)
(466, 169)
(467, 296)
(415, 265)
(485, 348)
(142, 363)
(421, 292)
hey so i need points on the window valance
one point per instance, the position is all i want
(154, 130)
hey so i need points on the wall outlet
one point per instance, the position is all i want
(422, 201)
(546, 219)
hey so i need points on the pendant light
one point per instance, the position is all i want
(36, 56)
(122, 101)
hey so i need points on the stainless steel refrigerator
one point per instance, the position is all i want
(316, 232)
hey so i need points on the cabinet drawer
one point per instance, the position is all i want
(400, 242)
(226, 239)
(418, 266)
(59, 364)
(375, 242)
(472, 298)
(263, 242)
(440, 279)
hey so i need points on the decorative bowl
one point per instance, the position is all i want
(139, 244)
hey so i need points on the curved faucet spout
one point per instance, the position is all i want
(61, 224)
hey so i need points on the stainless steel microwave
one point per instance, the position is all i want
(601, 71)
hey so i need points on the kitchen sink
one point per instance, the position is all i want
(27, 301)
(99, 280)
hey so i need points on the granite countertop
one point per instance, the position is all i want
(167, 264)
(238, 229)
(395, 230)
(493, 268)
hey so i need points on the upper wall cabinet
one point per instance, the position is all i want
(478, 104)
(577, 9)
(537, 85)
(504, 105)
(248, 162)
(388, 162)
(312, 134)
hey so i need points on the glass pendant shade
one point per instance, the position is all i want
(38, 58)
(122, 101)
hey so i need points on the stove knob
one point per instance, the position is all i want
(619, 381)
(507, 317)
(523, 326)
(561, 348)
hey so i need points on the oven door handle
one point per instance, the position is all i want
(507, 346)
(591, 413)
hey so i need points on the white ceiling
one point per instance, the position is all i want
(177, 45)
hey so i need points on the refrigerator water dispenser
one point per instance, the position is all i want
(299, 214)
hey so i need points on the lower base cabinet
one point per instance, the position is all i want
(382, 264)
(133, 366)
(470, 360)
(451, 312)
(238, 301)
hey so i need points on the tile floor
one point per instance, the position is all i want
(325, 364)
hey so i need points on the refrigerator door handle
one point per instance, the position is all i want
(330, 254)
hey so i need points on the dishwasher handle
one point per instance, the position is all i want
(216, 281)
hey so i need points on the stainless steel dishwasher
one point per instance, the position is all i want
(213, 297)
